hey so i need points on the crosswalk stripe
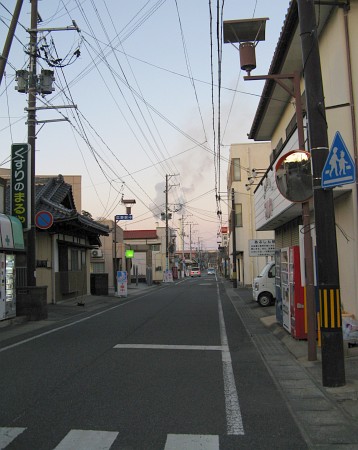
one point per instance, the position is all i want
(87, 440)
(7, 435)
(191, 442)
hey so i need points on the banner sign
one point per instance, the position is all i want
(122, 284)
(20, 196)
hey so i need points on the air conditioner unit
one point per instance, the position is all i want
(96, 253)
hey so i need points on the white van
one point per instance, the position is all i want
(263, 287)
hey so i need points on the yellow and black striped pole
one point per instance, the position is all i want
(330, 307)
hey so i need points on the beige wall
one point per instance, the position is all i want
(44, 253)
(252, 156)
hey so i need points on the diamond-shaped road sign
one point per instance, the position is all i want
(339, 167)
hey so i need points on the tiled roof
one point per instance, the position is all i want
(55, 196)
(139, 234)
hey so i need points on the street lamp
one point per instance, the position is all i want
(254, 30)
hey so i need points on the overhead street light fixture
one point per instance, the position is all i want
(248, 32)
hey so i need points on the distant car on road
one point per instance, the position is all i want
(195, 272)
(211, 271)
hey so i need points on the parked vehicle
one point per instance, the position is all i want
(263, 286)
(195, 272)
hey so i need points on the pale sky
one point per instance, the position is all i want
(146, 105)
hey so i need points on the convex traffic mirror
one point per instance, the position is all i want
(294, 176)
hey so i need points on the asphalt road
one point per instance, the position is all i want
(171, 369)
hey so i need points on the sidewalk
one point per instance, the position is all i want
(328, 417)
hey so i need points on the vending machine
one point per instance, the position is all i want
(297, 296)
(7, 286)
(285, 289)
(278, 302)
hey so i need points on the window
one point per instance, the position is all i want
(74, 259)
(272, 272)
(155, 247)
(236, 169)
(238, 214)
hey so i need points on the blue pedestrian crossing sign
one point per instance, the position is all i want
(339, 167)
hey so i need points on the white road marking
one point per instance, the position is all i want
(84, 319)
(87, 440)
(191, 442)
(170, 347)
(7, 435)
(233, 412)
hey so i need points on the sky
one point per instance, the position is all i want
(158, 96)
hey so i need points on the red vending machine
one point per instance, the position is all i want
(297, 296)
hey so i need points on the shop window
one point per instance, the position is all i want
(236, 169)
(238, 214)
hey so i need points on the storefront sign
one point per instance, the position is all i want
(20, 197)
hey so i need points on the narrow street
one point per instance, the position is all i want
(172, 369)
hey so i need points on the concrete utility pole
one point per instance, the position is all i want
(333, 371)
(166, 225)
(5, 54)
(31, 137)
(190, 240)
(167, 177)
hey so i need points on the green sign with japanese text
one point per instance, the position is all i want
(20, 196)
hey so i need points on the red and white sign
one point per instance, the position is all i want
(44, 220)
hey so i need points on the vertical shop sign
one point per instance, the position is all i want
(21, 184)
(122, 282)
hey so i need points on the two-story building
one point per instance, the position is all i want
(246, 162)
(276, 121)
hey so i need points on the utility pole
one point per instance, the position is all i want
(166, 225)
(167, 177)
(333, 371)
(190, 239)
(31, 136)
(233, 231)
(9, 38)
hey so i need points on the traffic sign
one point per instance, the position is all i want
(339, 167)
(124, 217)
(44, 220)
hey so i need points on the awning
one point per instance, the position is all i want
(11, 233)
